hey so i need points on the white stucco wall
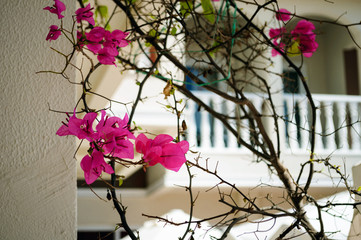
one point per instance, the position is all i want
(37, 171)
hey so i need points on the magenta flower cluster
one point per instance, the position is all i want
(54, 33)
(162, 150)
(301, 40)
(85, 14)
(57, 9)
(104, 44)
(111, 138)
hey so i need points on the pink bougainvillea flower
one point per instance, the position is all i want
(305, 37)
(94, 165)
(117, 143)
(104, 44)
(303, 27)
(113, 122)
(114, 136)
(95, 39)
(281, 47)
(308, 47)
(94, 47)
(81, 128)
(54, 33)
(162, 150)
(57, 8)
(276, 34)
(107, 56)
(85, 14)
(81, 39)
(301, 40)
(96, 35)
(283, 15)
(116, 39)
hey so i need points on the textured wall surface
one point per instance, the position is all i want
(37, 171)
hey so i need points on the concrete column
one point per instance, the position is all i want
(37, 169)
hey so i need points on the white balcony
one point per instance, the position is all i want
(219, 149)
(337, 124)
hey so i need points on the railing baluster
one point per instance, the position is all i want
(318, 129)
(257, 102)
(292, 127)
(191, 124)
(218, 126)
(304, 125)
(245, 127)
(231, 109)
(286, 116)
(342, 132)
(205, 125)
(329, 126)
(355, 129)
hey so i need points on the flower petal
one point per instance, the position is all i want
(283, 15)
(162, 139)
(184, 145)
(173, 157)
(141, 143)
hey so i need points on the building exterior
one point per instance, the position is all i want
(334, 79)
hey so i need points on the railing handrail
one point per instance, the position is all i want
(325, 97)
(316, 96)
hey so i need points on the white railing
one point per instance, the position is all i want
(206, 132)
(337, 122)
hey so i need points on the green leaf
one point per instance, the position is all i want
(294, 50)
(85, 1)
(103, 11)
(152, 33)
(208, 11)
(172, 91)
(148, 44)
(131, 1)
(359, 189)
(186, 7)
(173, 31)
(120, 181)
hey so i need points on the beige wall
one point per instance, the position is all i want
(325, 69)
(37, 172)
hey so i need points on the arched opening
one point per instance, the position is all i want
(332, 69)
